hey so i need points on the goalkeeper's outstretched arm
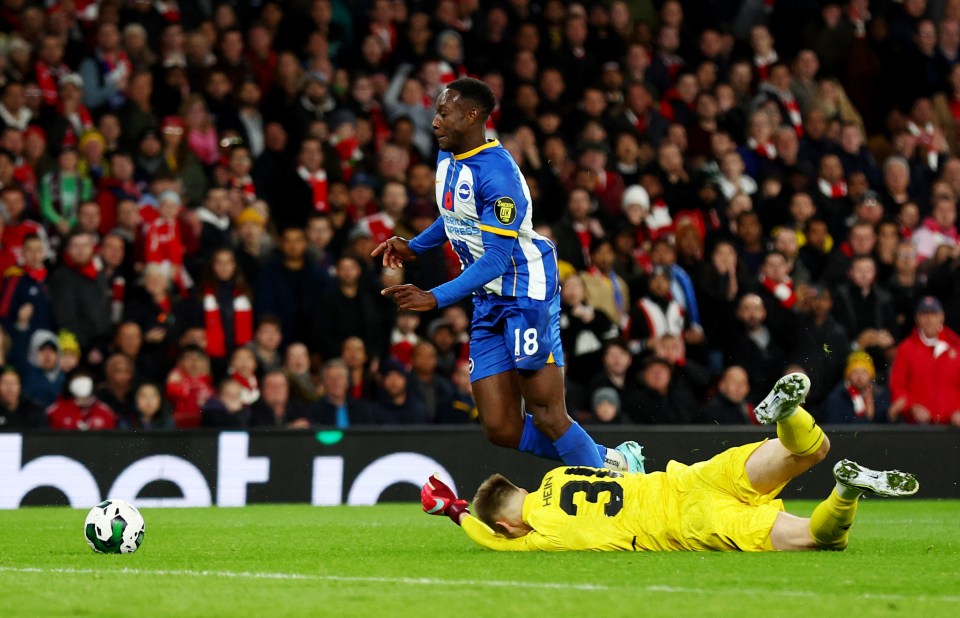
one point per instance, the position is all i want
(438, 498)
(485, 537)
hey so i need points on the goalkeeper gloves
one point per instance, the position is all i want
(438, 499)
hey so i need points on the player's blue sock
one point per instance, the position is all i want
(577, 448)
(535, 442)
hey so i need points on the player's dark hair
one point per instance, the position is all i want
(475, 91)
(490, 499)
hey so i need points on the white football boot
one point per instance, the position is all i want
(782, 401)
(889, 483)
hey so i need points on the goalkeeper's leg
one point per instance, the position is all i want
(801, 443)
(829, 525)
(831, 520)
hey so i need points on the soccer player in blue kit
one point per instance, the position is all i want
(516, 359)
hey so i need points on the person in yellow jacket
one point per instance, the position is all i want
(727, 503)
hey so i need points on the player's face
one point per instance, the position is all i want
(453, 119)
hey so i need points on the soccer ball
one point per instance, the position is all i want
(114, 527)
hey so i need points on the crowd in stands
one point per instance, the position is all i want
(190, 192)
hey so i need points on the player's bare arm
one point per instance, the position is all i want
(411, 297)
(395, 251)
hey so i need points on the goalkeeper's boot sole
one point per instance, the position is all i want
(633, 453)
(782, 401)
(889, 483)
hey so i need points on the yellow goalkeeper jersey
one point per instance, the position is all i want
(707, 506)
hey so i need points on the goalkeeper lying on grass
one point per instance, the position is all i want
(726, 503)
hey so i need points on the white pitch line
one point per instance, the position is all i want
(467, 583)
(419, 581)
(803, 593)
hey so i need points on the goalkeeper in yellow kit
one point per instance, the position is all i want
(726, 503)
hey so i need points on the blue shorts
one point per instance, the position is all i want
(514, 333)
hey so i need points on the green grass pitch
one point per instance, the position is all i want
(392, 560)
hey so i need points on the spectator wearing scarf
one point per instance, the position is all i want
(857, 399)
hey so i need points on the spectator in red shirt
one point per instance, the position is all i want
(118, 185)
(49, 67)
(260, 55)
(925, 381)
(18, 227)
(82, 411)
(382, 225)
(189, 386)
(163, 243)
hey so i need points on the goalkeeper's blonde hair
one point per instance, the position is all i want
(490, 499)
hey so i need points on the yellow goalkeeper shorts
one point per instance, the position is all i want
(719, 509)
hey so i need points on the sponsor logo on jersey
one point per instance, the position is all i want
(464, 191)
(460, 227)
(505, 210)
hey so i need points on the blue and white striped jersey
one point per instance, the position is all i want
(483, 191)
